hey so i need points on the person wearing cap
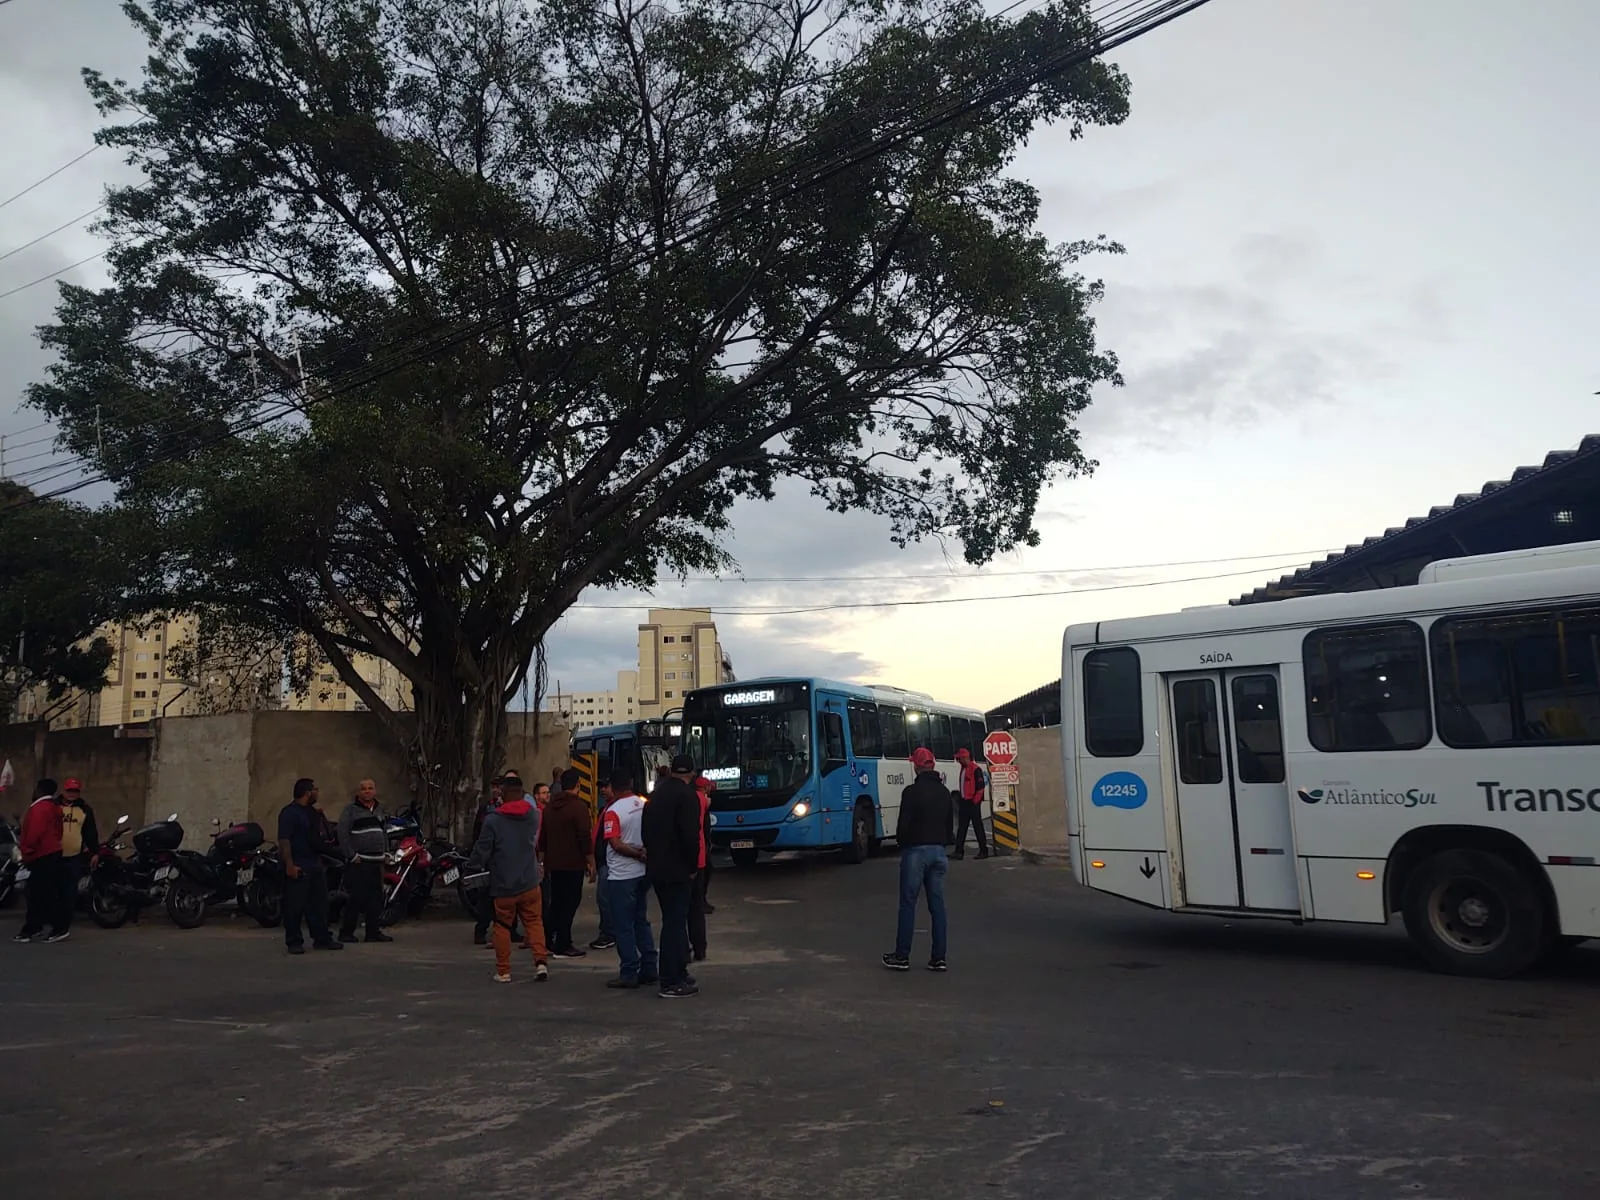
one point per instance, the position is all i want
(80, 838)
(671, 830)
(973, 782)
(506, 849)
(39, 843)
(921, 832)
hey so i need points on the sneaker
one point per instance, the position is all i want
(541, 973)
(297, 949)
(349, 939)
(375, 937)
(59, 937)
(23, 937)
(502, 978)
(679, 992)
(937, 964)
(329, 945)
(620, 984)
(570, 952)
(897, 962)
(603, 943)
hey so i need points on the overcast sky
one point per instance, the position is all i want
(1361, 278)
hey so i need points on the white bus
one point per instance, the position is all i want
(1432, 751)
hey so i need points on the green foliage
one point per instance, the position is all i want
(64, 571)
(468, 220)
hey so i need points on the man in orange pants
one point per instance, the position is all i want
(506, 849)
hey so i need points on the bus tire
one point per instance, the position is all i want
(744, 857)
(1470, 912)
(860, 846)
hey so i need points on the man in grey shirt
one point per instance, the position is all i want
(363, 842)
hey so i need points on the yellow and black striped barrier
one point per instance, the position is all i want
(1006, 838)
(587, 766)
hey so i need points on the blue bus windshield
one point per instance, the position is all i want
(755, 747)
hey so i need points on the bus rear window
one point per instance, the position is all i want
(1113, 709)
(1367, 688)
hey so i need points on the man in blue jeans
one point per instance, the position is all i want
(629, 890)
(921, 831)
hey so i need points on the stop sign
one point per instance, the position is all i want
(1000, 748)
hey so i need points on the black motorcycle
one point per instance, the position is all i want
(120, 887)
(221, 875)
(263, 894)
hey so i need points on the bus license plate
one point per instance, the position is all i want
(452, 875)
(745, 845)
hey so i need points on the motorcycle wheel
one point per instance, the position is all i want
(186, 905)
(8, 894)
(469, 900)
(265, 904)
(419, 900)
(107, 912)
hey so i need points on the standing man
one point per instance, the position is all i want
(924, 822)
(305, 893)
(671, 830)
(80, 838)
(363, 843)
(566, 850)
(506, 849)
(627, 887)
(973, 783)
(604, 939)
(40, 845)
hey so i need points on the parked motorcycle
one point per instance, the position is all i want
(120, 887)
(219, 876)
(263, 894)
(408, 872)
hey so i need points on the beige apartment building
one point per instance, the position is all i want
(678, 651)
(329, 693)
(590, 710)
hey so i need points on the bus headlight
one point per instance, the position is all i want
(800, 809)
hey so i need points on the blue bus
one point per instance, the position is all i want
(810, 764)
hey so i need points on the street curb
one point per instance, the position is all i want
(1051, 856)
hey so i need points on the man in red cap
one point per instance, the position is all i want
(921, 832)
(973, 782)
(80, 838)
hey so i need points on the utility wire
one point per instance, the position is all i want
(51, 233)
(74, 162)
(54, 274)
(1152, 16)
(866, 604)
(949, 578)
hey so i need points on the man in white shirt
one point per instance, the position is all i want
(627, 887)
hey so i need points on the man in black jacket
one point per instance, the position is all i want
(670, 827)
(921, 831)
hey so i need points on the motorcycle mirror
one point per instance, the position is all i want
(216, 821)
(172, 816)
(123, 819)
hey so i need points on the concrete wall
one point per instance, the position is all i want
(337, 750)
(20, 745)
(1041, 794)
(201, 770)
(536, 757)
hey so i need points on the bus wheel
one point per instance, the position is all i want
(1470, 912)
(860, 848)
(744, 857)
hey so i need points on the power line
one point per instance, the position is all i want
(54, 274)
(74, 162)
(819, 608)
(51, 233)
(1193, 562)
(771, 189)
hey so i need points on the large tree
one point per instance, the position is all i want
(431, 314)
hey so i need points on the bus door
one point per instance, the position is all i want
(835, 765)
(1234, 823)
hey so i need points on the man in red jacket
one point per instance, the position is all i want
(41, 854)
(973, 783)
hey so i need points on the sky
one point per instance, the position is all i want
(1361, 278)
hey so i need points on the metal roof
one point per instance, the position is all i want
(1494, 518)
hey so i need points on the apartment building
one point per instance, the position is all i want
(590, 710)
(679, 650)
(329, 693)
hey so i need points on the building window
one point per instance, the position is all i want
(340, 695)
(669, 695)
(1113, 708)
(142, 657)
(1367, 688)
(325, 678)
(141, 675)
(138, 712)
(1518, 679)
(672, 674)
(668, 640)
(139, 695)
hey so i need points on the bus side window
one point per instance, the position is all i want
(1113, 703)
(833, 751)
(919, 730)
(893, 723)
(943, 744)
(865, 737)
(1367, 688)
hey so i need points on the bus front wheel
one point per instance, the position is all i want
(860, 848)
(1471, 912)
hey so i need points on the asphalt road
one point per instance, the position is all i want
(1079, 1046)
